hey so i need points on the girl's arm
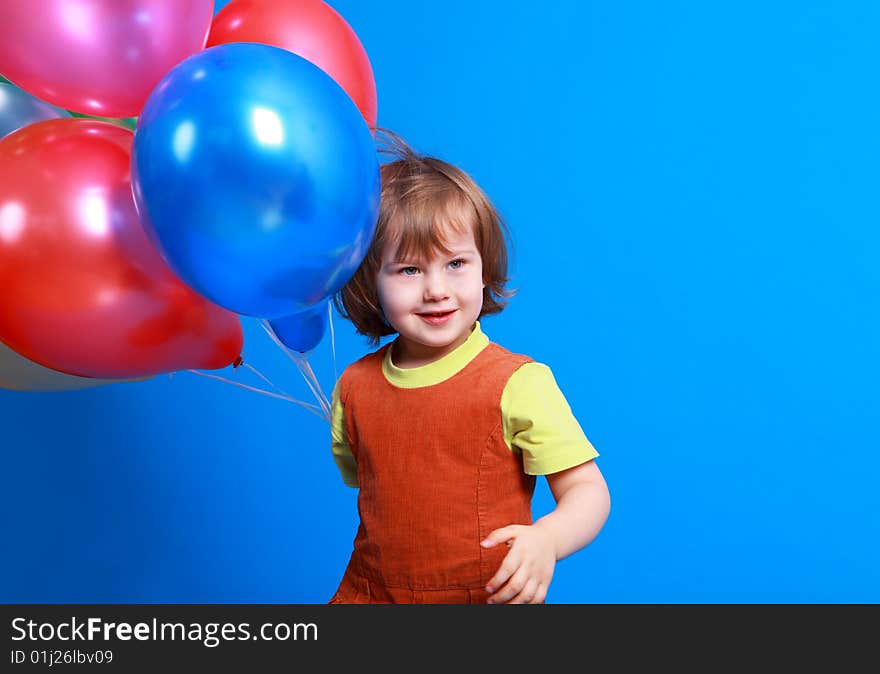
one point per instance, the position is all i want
(582, 507)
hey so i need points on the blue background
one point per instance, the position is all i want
(692, 193)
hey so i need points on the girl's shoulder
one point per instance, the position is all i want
(366, 362)
(497, 364)
(497, 352)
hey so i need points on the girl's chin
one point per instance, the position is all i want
(431, 337)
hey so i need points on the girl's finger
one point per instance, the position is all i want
(505, 571)
(499, 536)
(511, 588)
(528, 593)
(540, 594)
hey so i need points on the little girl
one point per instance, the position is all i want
(443, 430)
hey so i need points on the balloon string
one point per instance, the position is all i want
(266, 379)
(309, 407)
(282, 391)
(311, 383)
(306, 371)
(332, 338)
(307, 367)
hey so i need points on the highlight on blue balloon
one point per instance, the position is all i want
(304, 330)
(257, 178)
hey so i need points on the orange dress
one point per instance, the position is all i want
(436, 477)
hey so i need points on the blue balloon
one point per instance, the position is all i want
(18, 109)
(256, 178)
(302, 331)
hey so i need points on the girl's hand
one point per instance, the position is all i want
(525, 573)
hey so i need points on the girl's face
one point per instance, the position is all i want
(433, 303)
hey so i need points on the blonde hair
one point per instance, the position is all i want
(421, 197)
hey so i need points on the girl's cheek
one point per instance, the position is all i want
(400, 290)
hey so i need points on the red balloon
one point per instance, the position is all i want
(84, 291)
(309, 28)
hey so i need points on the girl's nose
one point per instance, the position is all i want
(435, 287)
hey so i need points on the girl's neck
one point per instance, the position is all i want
(407, 355)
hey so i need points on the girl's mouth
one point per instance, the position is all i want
(436, 318)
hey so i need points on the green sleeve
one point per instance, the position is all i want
(538, 423)
(345, 460)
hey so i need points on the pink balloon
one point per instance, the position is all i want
(98, 57)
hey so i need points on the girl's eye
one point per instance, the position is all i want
(409, 271)
(456, 264)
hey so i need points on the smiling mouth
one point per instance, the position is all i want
(436, 314)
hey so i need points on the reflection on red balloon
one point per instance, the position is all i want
(84, 290)
(311, 29)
